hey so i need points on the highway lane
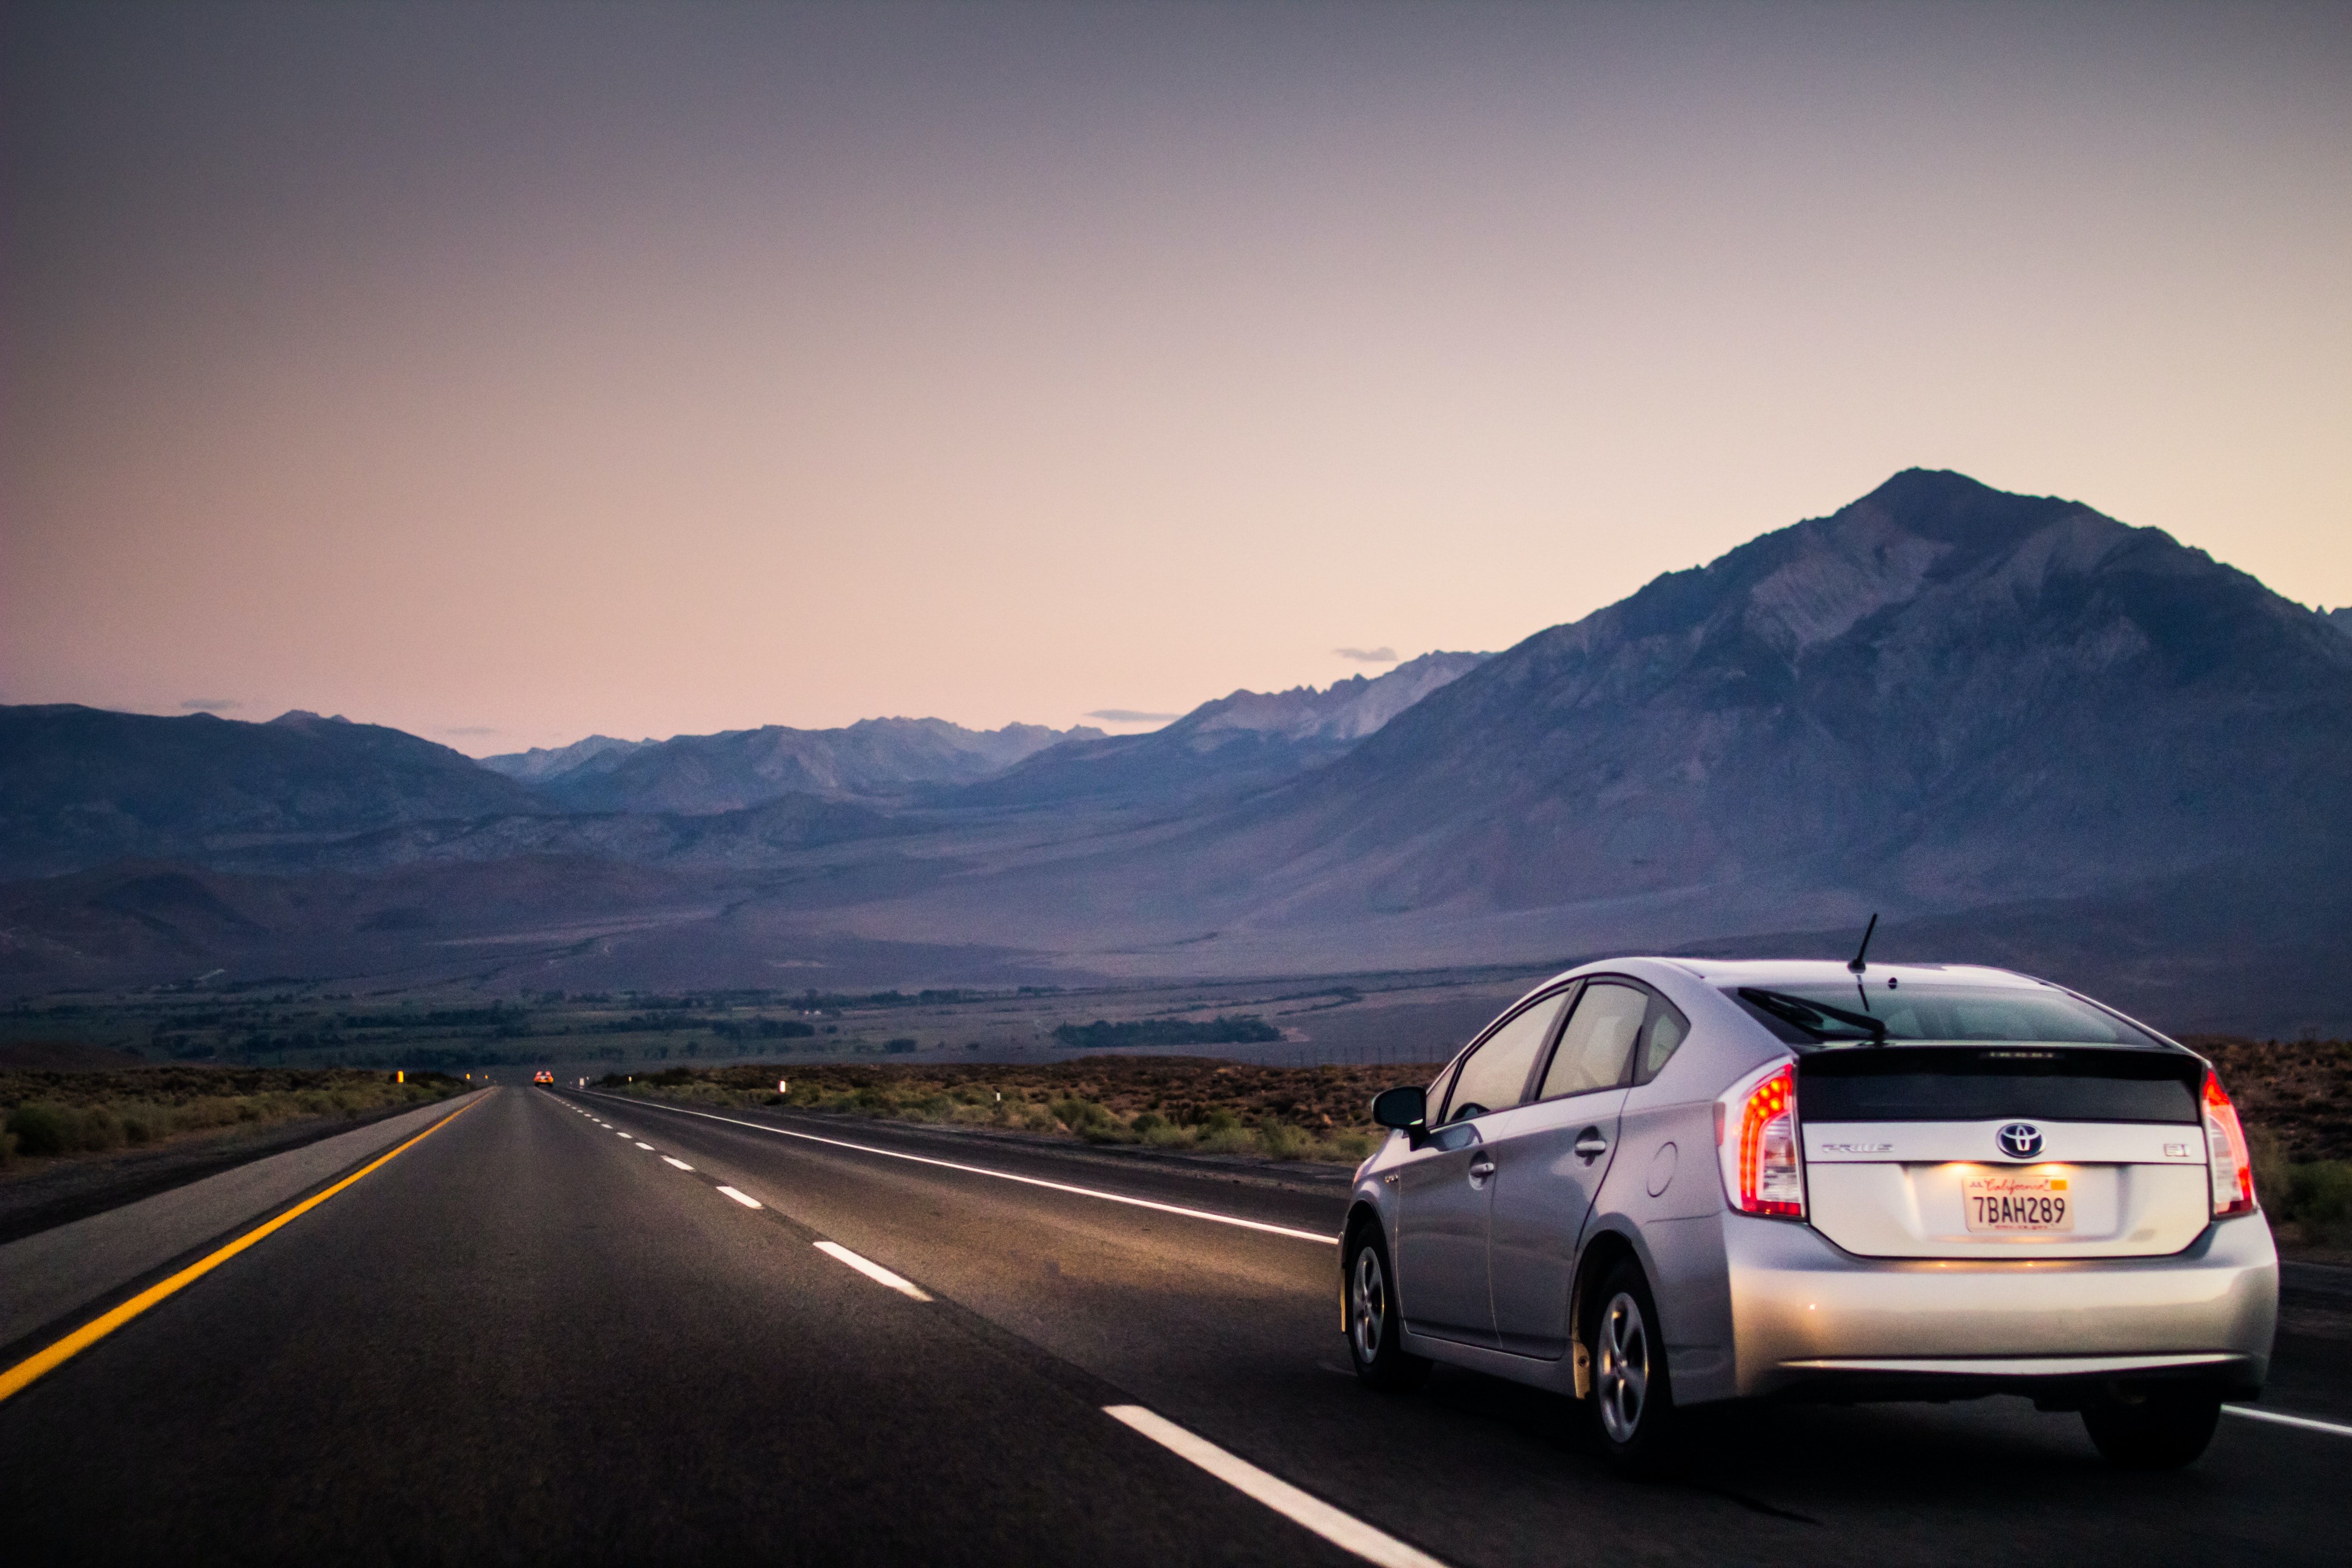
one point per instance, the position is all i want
(537, 1337)
(1235, 1332)
(526, 1339)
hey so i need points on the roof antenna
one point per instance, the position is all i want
(1857, 966)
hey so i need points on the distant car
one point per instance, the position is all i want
(542, 1076)
(1654, 1183)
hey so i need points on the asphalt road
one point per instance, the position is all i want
(532, 1338)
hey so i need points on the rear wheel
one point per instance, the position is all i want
(1632, 1400)
(1373, 1320)
(2152, 1428)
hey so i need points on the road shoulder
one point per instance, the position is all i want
(47, 1278)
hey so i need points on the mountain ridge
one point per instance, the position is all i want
(735, 769)
(81, 786)
(1230, 745)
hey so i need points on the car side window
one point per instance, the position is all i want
(1495, 1077)
(1665, 1029)
(1597, 1047)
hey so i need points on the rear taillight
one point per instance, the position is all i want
(2226, 1152)
(1756, 1143)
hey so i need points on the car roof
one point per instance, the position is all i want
(1814, 971)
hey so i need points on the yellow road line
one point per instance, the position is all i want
(17, 1377)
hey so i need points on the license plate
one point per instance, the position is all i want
(2017, 1202)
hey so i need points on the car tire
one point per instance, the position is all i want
(1632, 1396)
(1375, 1342)
(2152, 1428)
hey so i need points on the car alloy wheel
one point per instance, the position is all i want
(1622, 1367)
(1368, 1306)
(1375, 1331)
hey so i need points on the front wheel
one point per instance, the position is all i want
(1632, 1401)
(2152, 1429)
(1373, 1320)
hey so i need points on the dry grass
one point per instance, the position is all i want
(68, 1114)
(1168, 1103)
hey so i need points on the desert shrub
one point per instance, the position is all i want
(1281, 1140)
(1078, 1115)
(2319, 1195)
(1146, 1121)
(1220, 1120)
(1231, 1138)
(42, 1128)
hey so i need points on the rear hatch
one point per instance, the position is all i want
(2004, 1149)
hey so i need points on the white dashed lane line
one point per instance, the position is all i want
(1256, 1225)
(1342, 1530)
(871, 1270)
(648, 1147)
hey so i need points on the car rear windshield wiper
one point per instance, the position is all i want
(1812, 1016)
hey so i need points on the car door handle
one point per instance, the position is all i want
(1591, 1145)
(1480, 1171)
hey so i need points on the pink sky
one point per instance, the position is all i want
(510, 374)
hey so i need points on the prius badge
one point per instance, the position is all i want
(2019, 1140)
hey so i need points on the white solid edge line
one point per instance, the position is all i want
(2285, 1420)
(680, 1164)
(872, 1271)
(746, 1200)
(1344, 1530)
(1009, 1176)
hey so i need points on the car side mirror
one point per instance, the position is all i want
(1406, 1107)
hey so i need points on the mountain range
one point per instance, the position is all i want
(2025, 731)
(738, 768)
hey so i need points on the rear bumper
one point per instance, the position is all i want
(1809, 1319)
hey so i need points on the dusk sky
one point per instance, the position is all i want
(510, 373)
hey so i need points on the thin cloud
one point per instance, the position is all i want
(1130, 716)
(209, 704)
(1368, 655)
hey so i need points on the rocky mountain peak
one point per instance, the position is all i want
(1345, 710)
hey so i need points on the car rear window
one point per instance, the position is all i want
(1950, 1083)
(1917, 1011)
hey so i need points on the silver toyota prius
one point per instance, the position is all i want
(1654, 1184)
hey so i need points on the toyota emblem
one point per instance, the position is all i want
(2019, 1140)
